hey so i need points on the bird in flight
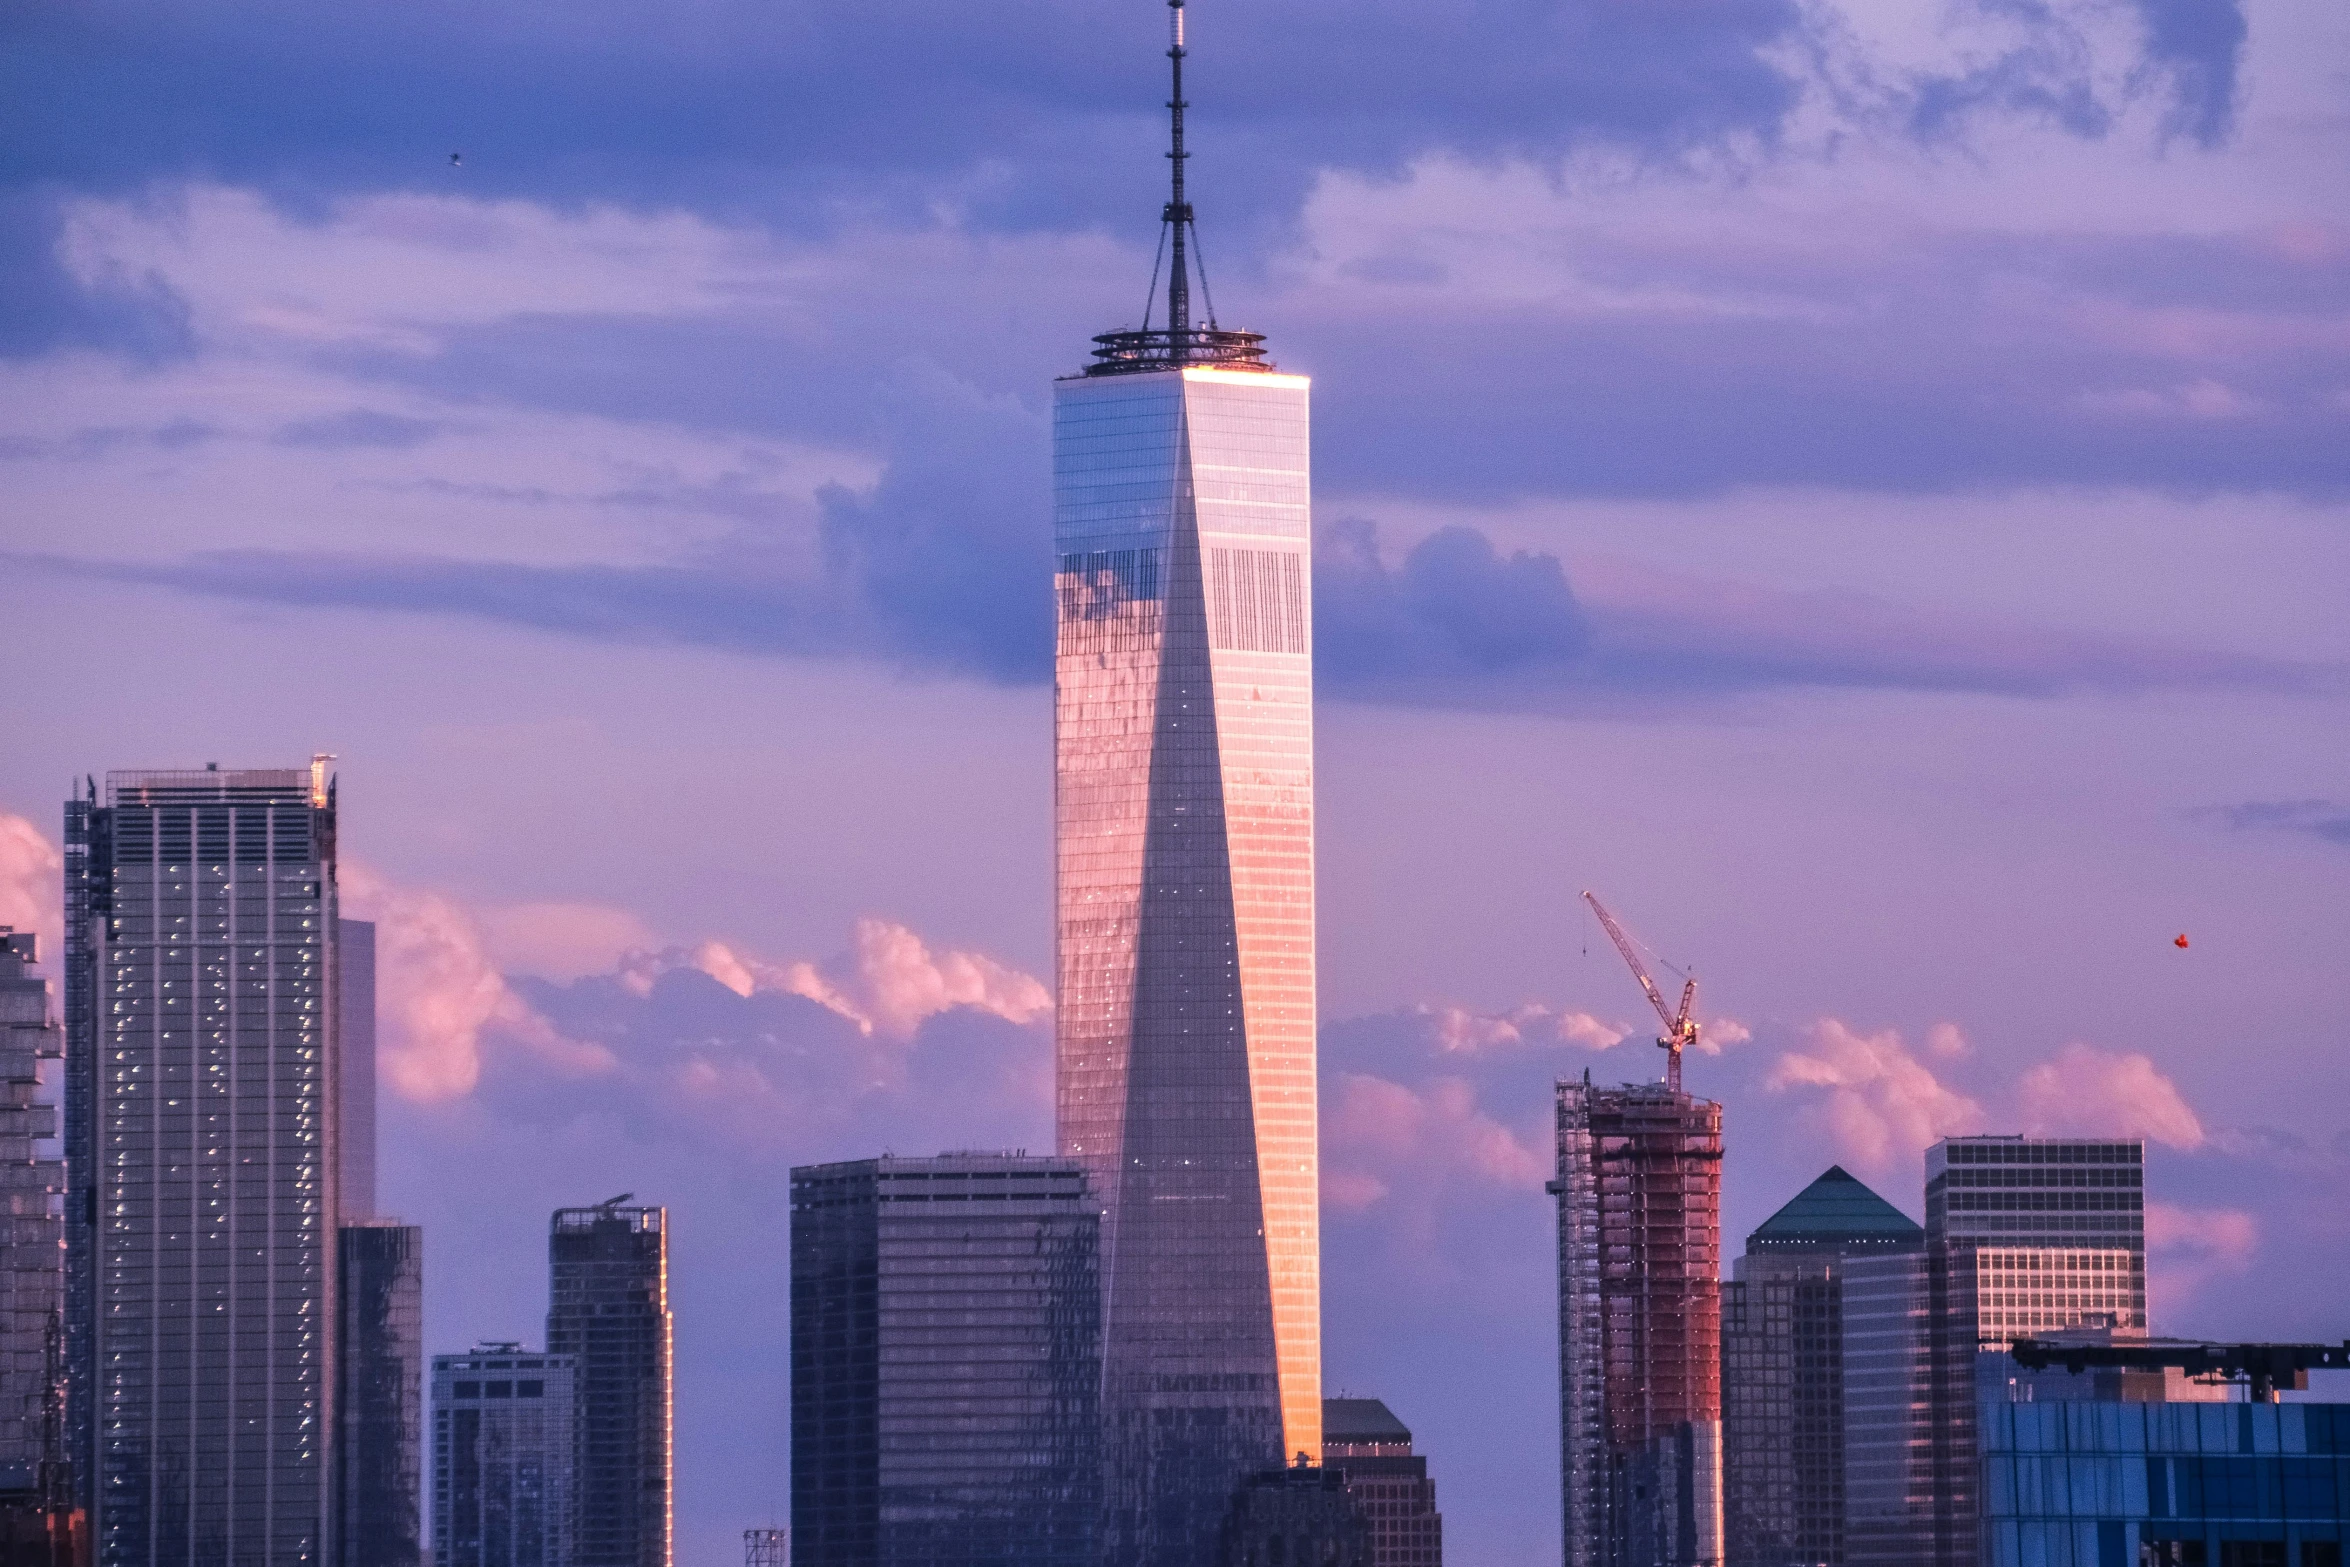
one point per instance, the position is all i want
(456, 160)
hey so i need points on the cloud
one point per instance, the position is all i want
(2088, 1092)
(888, 983)
(358, 427)
(1380, 1137)
(1882, 1106)
(2198, 45)
(561, 941)
(1453, 609)
(2189, 1249)
(32, 883)
(909, 579)
(439, 996)
(1949, 1041)
(1459, 1031)
(2320, 819)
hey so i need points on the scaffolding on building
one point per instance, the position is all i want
(1639, 1189)
(766, 1548)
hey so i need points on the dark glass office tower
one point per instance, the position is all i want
(38, 1521)
(1639, 1190)
(1783, 1371)
(946, 1363)
(1301, 1514)
(1362, 1439)
(204, 1148)
(503, 1429)
(608, 1309)
(1184, 837)
(379, 1411)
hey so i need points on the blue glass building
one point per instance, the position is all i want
(2111, 1484)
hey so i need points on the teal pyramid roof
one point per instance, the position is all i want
(1836, 1210)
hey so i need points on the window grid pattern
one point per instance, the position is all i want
(215, 1175)
(2128, 1484)
(1184, 835)
(946, 1363)
(608, 1311)
(32, 1220)
(502, 1429)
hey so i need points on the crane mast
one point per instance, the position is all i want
(1680, 1029)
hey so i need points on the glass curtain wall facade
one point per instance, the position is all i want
(1783, 1500)
(380, 1399)
(608, 1311)
(1889, 1471)
(36, 1510)
(503, 1424)
(946, 1363)
(203, 1141)
(2079, 1484)
(1639, 1191)
(1185, 925)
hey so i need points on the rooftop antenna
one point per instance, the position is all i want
(1178, 214)
(1181, 342)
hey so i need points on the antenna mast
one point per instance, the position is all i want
(1178, 213)
(1182, 342)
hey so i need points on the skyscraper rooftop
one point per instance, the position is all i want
(1836, 1210)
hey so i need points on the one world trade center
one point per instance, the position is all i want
(1183, 732)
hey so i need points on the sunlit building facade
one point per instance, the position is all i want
(1184, 836)
(1639, 1190)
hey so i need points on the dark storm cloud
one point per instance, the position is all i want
(2320, 819)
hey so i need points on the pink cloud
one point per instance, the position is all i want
(887, 983)
(438, 993)
(2189, 1249)
(562, 941)
(2089, 1092)
(32, 886)
(1881, 1104)
(1376, 1132)
(1461, 1031)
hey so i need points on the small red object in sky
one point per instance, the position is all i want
(2179, 940)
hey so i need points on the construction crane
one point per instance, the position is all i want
(1680, 1028)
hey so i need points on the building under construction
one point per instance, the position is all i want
(1639, 1193)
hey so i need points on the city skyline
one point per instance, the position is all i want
(1867, 497)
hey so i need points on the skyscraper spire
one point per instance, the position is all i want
(1178, 213)
(1180, 342)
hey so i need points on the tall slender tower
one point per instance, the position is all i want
(1640, 1326)
(1183, 727)
(608, 1310)
(205, 1161)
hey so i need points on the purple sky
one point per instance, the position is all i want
(1865, 487)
